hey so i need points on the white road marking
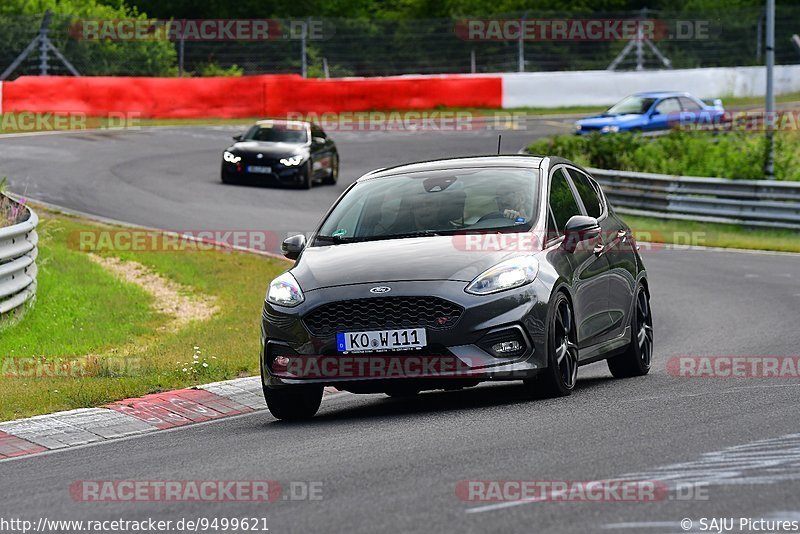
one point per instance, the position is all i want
(768, 461)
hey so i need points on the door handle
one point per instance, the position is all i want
(598, 249)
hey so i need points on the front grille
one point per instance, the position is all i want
(382, 314)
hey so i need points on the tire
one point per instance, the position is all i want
(293, 403)
(636, 359)
(331, 179)
(307, 182)
(558, 379)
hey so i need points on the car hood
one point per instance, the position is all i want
(608, 120)
(268, 149)
(423, 258)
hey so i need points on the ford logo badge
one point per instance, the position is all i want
(380, 289)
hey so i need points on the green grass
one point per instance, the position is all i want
(734, 155)
(86, 314)
(712, 235)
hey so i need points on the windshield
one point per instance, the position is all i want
(435, 203)
(637, 105)
(277, 133)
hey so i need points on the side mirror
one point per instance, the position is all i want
(579, 228)
(293, 246)
(718, 103)
(654, 113)
(237, 137)
(317, 140)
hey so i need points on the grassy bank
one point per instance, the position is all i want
(93, 337)
(711, 235)
(736, 155)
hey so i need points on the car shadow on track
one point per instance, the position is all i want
(509, 394)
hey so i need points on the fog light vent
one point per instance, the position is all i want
(506, 343)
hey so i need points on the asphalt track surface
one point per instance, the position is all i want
(393, 465)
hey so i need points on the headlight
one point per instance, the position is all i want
(611, 129)
(294, 160)
(577, 127)
(507, 274)
(230, 157)
(285, 291)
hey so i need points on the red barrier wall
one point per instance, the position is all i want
(248, 96)
(366, 94)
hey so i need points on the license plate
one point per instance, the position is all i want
(407, 338)
(258, 169)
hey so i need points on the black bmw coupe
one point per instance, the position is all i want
(282, 152)
(444, 274)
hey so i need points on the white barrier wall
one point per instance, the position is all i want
(600, 87)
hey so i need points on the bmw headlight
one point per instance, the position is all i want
(507, 274)
(610, 129)
(230, 157)
(293, 161)
(285, 291)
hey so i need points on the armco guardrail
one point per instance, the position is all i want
(756, 203)
(18, 270)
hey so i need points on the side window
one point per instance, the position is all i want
(689, 105)
(668, 105)
(316, 131)
(552, 228)
(562, 201)
(588, 194)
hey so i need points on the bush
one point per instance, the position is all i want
(738, 155)
(212, 69)
(20, 20)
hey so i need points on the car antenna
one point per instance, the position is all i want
(499, 140)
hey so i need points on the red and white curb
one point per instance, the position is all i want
(130, 417)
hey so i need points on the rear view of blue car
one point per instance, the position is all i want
(652, 111)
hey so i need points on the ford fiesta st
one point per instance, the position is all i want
(283, 152)
(444, 274)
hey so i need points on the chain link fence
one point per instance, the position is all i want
(354, 47)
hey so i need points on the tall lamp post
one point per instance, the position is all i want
(769, 165)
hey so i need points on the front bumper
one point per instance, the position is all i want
(457, 355)
(280, 174)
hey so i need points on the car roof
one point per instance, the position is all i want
(282, 121)
(662, 94)
(510, 160)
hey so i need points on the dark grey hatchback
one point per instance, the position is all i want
(447, 273)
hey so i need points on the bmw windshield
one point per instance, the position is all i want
(277, 133)
(434, 203)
